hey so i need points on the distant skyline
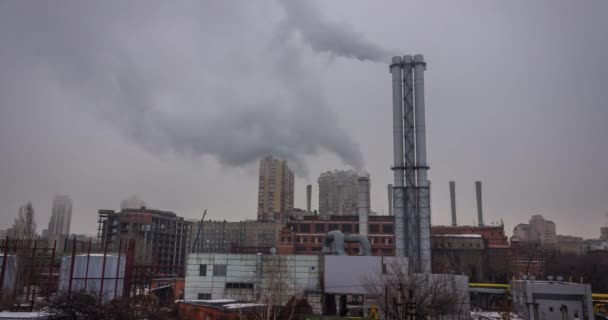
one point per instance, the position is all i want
(176, 101)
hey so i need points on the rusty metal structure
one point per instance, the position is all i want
(32, 271)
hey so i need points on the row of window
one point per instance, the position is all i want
(344, 227)
(313, 239)
(219, 270)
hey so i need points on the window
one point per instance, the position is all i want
(204, 296)
(300, 249)
(319, 227)
(239, 285)
(219, 270)
(333, 226)
(347, 227)
(374, 228)
(387, 228)
(202, 270)
(305, 227)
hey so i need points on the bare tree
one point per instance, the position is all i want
(403, 295)
(24, 227)
(276, 294)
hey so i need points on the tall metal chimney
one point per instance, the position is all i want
(398, 189)
(390, 199)
(453, 202)
(363, 203)
(308, 197)
(422, 184)
(412, 232)
(479, 204)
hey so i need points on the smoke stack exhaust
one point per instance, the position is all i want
(453, 202)
(308, 197)
(363, 205)
(390, 199)
(479, 204)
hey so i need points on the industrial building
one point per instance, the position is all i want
(338, 192)
(230, 237)
(161, 237)
(539, 300)
(275, 189)
(305, 236)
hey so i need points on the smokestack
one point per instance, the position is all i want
(453, 202)
(398, 190)
(422, 185)
(363, 205)
(479, 204)
(390, 199)
(412, 236)
(308, 197)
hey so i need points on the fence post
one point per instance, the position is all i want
(2, 273)
(72, 266)
(103, 270)
(86, 272)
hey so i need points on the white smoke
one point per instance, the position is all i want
(327, 36)
(170, 77)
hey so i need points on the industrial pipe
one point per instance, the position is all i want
(398, 191)
(422, 183)
(338, 239)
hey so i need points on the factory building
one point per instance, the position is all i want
(161, 237)
(494, 236)
(305, 236)
(459, 254)
(227, 237)
(537, 300)
(338, 192)
(275, 189)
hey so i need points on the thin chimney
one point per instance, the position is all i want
(479, 204)
(453, 202)
(308, 197)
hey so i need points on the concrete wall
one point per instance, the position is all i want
(290, 275)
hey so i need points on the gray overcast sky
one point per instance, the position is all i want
(174, 101)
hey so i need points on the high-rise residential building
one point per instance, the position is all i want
(61, 218)
(542, 231)
(133, 202)
(161, 237)
(275, 189)
(538, 230)
(338, 193)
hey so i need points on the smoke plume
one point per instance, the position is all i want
(170, 80)
(327, 36)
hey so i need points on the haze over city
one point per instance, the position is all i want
(177, 102)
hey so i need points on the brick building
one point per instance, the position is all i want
(306, 236)
(493, 235)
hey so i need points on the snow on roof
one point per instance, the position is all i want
(459, 235)
(22, 315)
(242, 305)
(216, 301)
(487, 315)
(163, 287)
